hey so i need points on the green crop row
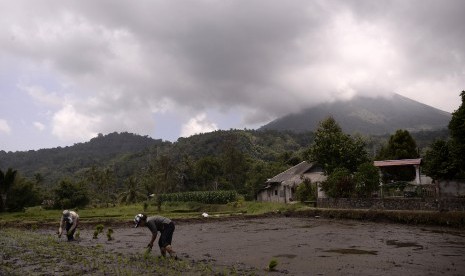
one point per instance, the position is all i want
(207, 197)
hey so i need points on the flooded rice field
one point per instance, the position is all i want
(310, 246)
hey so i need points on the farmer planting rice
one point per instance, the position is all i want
(71, 220)
(155, 224)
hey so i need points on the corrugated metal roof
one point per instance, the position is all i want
(400, 162)
(297, 179)
(291, 173)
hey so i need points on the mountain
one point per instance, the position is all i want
(370, 116)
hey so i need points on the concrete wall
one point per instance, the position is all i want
(427, 204)
(451, 188)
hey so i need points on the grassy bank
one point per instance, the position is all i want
(126, 213)
(191, 211)
(449, 219)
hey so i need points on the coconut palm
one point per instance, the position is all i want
(132, 191)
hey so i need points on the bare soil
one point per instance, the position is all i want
(305, 246)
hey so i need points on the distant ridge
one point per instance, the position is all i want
(365, 115)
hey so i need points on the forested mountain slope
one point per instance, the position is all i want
(54, 163)
(126, 155)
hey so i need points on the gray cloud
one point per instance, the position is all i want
(127, 60)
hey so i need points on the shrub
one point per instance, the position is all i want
(306, 191)
(339, 184)
(366, 180)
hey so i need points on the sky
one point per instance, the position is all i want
(70, 70)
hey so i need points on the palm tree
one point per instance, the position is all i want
(7, 180)
(132, 192)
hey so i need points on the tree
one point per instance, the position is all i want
(446, 159)
(186, 171)
(339, 184)
(7, 181)
(165, 174)
(23, 194)
(437, 161)
(38, 178)
(106, 183)
(207, 172)
(71, 195)
(333, 149)
(457, 122)
(132, 192)
(366, 180)
(401, 145)
(306, 190)
(101, 181)
(457, 133)
(234, 166)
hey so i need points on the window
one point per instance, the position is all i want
(275, 192)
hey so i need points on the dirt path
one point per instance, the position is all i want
(311, 246)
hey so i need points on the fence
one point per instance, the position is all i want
(400, 203)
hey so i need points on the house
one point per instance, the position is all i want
(282, 187)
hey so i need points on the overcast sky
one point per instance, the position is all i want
(72, 69)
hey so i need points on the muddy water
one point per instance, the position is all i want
(312, 246)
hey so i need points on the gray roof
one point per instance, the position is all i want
(292, 173)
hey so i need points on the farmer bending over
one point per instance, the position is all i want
(71, 220)
(166, 228)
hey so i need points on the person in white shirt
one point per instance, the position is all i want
(71, 221)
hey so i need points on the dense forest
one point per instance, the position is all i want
(111, 167)
(127, 153)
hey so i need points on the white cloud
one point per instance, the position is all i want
(4, 126)
(437, 92)
(39, 126)
(196, 125)
(69, 125)
(40, 95)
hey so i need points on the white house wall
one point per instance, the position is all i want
(279, 193)
(283, 192)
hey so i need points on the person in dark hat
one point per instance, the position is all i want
(70, 219)
(158, 224)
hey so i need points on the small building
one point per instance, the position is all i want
(402, 162)
(282, 187)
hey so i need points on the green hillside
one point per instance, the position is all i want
(128, 154)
